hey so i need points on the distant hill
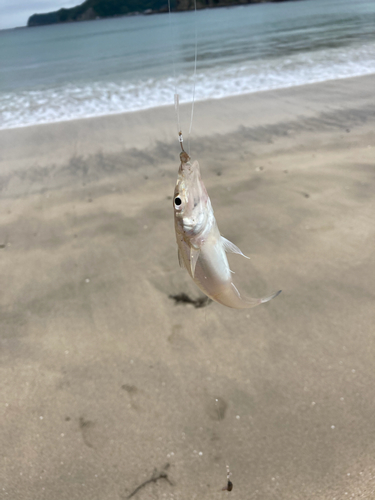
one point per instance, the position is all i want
(94, 9)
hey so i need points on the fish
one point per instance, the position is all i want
(201, 248)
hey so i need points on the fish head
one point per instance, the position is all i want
(191, 202)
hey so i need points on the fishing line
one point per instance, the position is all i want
(176, 95)
(171, 37)
(177, 109)
(176, 98)
(195, 72)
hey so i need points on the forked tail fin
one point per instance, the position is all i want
(270, 297)
(247, 303)
(231, 297)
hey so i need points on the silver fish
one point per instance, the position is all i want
(201, 248)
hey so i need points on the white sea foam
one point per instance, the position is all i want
(68, 102)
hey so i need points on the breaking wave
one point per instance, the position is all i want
(72, 101)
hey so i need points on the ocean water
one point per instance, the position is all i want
(77, 70)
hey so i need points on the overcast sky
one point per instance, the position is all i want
(14, 13)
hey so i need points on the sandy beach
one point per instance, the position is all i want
(108, 384)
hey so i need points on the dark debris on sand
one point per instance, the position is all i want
(183, 298)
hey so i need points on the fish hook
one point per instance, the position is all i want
(184, 157)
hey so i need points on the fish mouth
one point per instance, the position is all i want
(187, 169)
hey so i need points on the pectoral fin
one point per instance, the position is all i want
(194, 254)
(231, 247)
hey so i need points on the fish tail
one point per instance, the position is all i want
(270, 297)
(232, 298)
(247, 302)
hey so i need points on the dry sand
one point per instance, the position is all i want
(105, 379)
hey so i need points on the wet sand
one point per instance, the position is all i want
(109, 384)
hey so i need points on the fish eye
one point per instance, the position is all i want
(177, 201)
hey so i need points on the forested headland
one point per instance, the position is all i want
(98, 9)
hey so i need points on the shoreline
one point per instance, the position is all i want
(197, 102)
(145, 128)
